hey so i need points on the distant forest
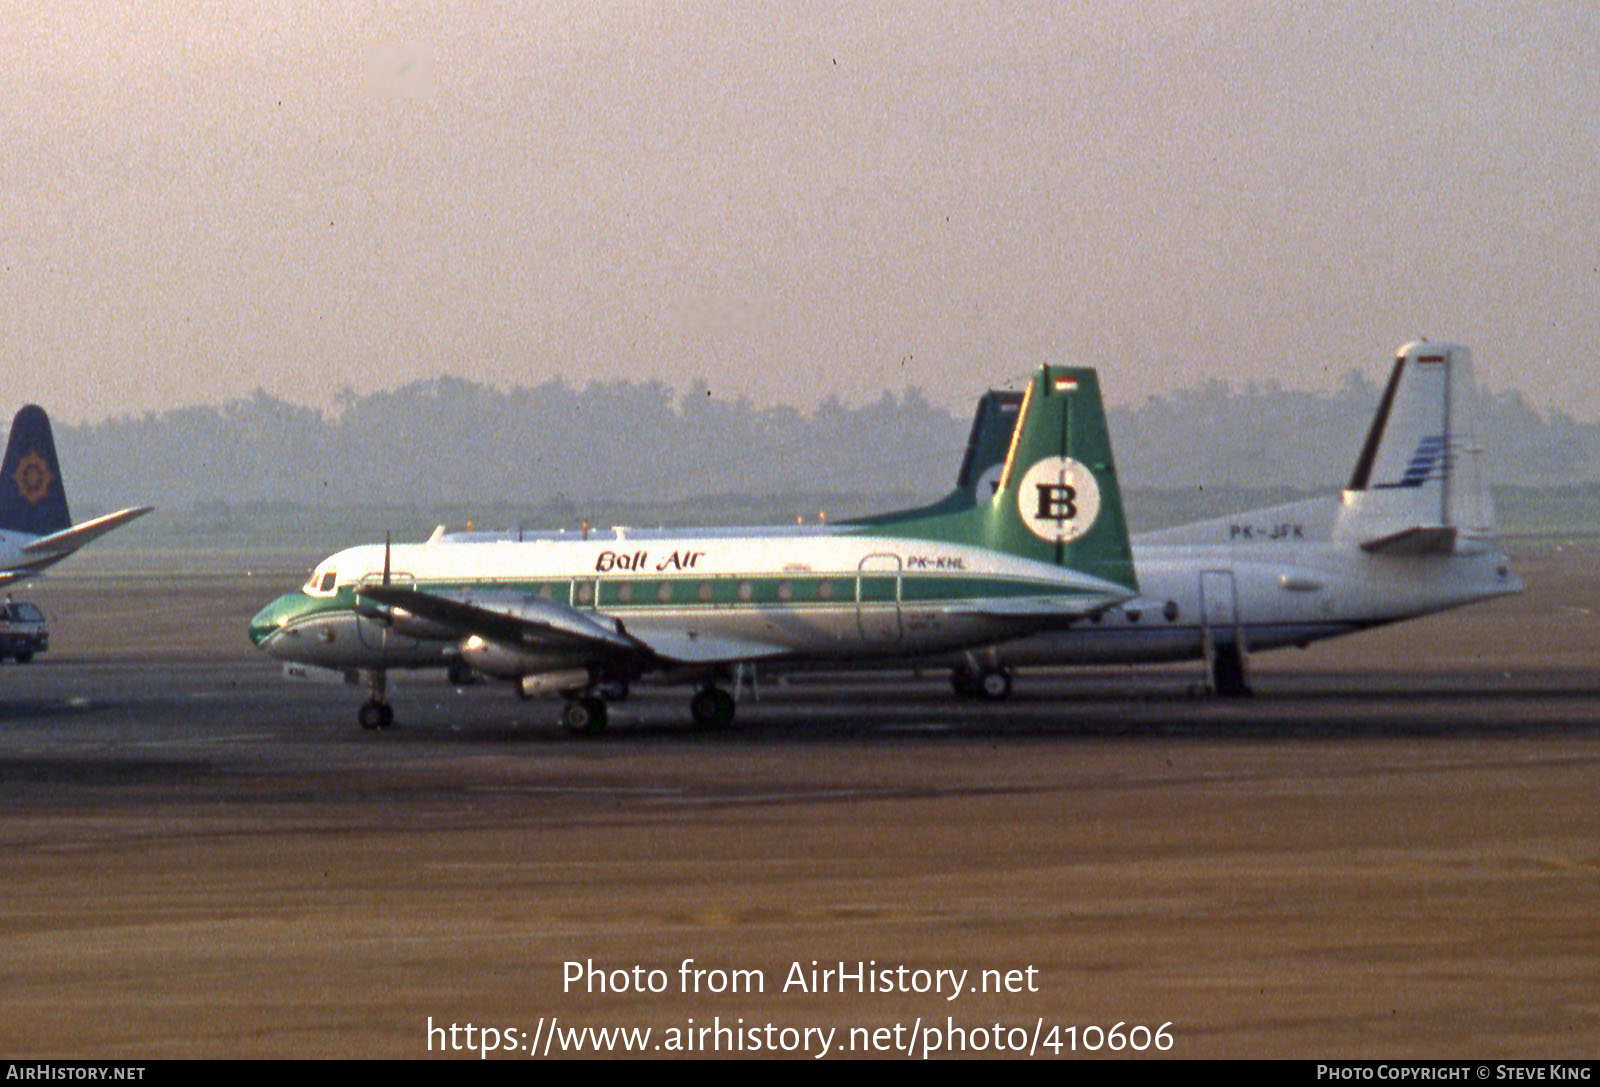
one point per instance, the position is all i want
(449, 441)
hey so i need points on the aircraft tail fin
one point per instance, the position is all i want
(1420, 484)
(1057, 499)
(987, 444)
(32, 499)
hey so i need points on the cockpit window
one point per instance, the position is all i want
(321, 583)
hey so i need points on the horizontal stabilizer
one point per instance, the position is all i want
(68, 540)
(1417, 540)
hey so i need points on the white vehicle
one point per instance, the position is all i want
(24, 631)
(1411, 534)
(1048, 549)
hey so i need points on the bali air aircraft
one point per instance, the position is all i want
(1048, 549)
(36, 530)
(1412, 534)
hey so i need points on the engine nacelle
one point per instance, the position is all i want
(510, 662)
(566, 682)
(426, 630)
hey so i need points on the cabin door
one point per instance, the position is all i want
(878, 600)
(1219, 610)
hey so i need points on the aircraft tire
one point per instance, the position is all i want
(461, 673)
(964, 684)
(375, 715)
(994, 685)
(584, 716)
(712, 708)
(24, 657)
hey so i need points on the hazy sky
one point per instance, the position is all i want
(790, 200)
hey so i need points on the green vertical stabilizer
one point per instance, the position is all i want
(1057, 501)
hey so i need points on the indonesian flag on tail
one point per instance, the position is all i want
(1066, 384)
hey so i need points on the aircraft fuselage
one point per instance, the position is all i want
(1270, 595)
(693, 600)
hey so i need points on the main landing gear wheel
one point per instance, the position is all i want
(375, 715)
(711, 707)
(994, 684)
(990, 684)
(461, 673)
(585, 716)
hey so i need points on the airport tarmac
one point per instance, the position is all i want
(1392, 850)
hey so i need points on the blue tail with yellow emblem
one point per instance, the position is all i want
(32, 499)
(36, 530)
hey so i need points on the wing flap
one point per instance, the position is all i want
(700, 647)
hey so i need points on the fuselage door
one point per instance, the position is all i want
(878, 600)
(1219, 609)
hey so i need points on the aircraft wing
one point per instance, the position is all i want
(518, 620)
(696, 647)
(68, 540)
(511, 620)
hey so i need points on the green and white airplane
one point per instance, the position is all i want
(1047, 550)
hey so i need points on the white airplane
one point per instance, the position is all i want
(1049, 548)
(1412, 534)
(36, 530)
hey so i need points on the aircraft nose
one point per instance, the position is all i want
(269, 621)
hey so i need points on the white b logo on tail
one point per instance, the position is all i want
(988, 483)
(1058, 499)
